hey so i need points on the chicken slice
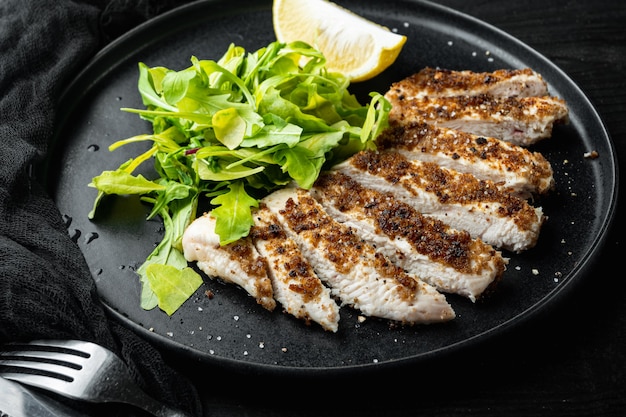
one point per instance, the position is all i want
(520, 120)
(458, 199)
(514, 168)
(448, 259)
(296, 286)
(357, 275)
(237, 263)
(437, 82)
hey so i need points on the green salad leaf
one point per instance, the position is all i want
(231, 131)
(172, 286)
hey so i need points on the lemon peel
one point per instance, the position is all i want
(352, 45)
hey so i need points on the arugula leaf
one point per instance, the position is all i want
(121, 182)
(175, 85)
(300, 165)
(173, 191)
(274, 134)
(234, 209)
(150, 86)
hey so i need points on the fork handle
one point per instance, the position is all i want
(136, 397)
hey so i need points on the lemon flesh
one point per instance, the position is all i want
(352, 45)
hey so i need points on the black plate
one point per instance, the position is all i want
(231, 329)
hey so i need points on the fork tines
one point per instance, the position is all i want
(48, 359)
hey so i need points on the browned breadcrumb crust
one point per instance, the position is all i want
(302, 279)
(434, 81)
(341, 245)
(427, 138)
(396, 219)
(483, 106)
(255, 266)
(252, 264)
(449, 186)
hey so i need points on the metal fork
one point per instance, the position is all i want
(79, 370)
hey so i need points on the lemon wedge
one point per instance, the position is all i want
(354, 46)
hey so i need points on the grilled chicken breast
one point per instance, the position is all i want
(357, 275)
(436, 82)
(520, 120)
(237, 263)
(458, 199)
(296, 286)
(448, 259)
(513, 168)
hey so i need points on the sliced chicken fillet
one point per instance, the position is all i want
(296, 286)
(520, 120)
(237, 263)
(357, 275)
(458, 199)
(446, 258)
(512, 167)
(436, 82)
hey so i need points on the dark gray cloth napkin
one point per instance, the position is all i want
(46, 289)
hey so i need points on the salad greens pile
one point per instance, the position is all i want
(232, 131)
